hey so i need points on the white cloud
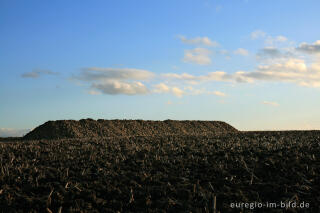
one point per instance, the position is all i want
(258, 34)
(115, 81)
(217, 93)
(310, 48)
(194, 91)
(115, 87)
(198, 56)
(290, 70)
(199, 41)
(161, 88)
(8, 132)
(98, 74)
(313, 84)
(281, 39)
(273, 40)
(211, 76)
(270, 103)
(292, 64)
(269, 40)
(241, 51)
(177, 91)
(277, 65)
(94, 92)
(189, 90)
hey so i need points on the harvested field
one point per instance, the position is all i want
(179, 173)
(114, 128)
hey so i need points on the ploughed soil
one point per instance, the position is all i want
(161, 173)
(114, 128)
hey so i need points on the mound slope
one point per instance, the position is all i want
(113, 128)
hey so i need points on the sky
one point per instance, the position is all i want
(254, 64)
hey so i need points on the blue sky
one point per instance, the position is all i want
(254, 64)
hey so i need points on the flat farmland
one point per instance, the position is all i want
(161, 173)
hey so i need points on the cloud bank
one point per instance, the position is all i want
(283, 70)
(275, 64)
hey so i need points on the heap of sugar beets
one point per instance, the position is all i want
(89, 128)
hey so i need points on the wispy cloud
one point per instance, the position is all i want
(270, 103)
(186, 90)
(268, 39)
(220, 76)
(177, 91)
(257, 34)
(99, 74)
(241, 51)
(94, 92)
(277, 39)
(217, 93)
(199, 41)
(163, 88)
(197, 56)
(269, 52)
(37, 73)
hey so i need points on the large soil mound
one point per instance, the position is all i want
(112, 128)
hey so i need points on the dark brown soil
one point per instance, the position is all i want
(89, 128)
(161, 173)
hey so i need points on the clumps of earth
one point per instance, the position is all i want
(158, 166)
(89, 128)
